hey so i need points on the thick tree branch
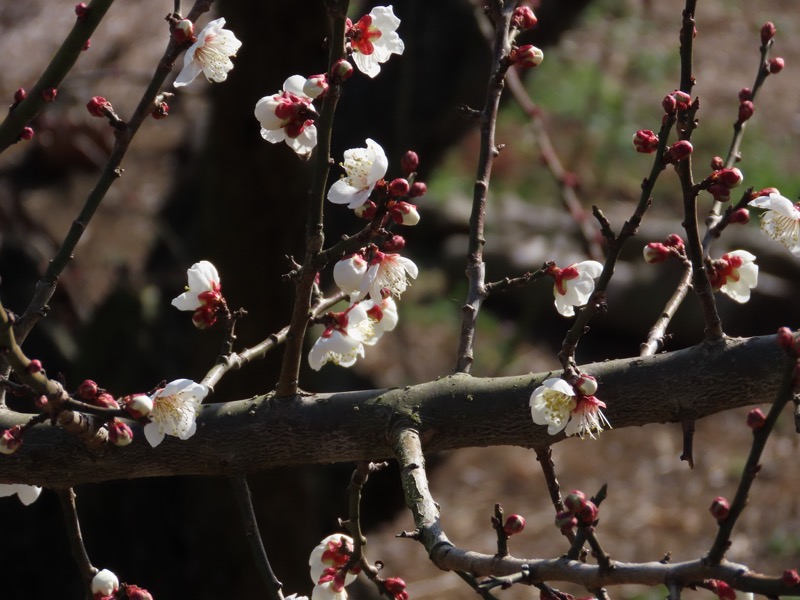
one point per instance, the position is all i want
(452, 412)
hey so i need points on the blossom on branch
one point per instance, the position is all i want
(210, 54)
(574, 285)
(27, 494)
(780, 219)
(174, 411)
(373, 39)
(288, 116)
(735, 274)
(364, 167)
(342, 342)
(203, 295)
(387, 271)
(326, 565)
(575, 410)
(104, 583)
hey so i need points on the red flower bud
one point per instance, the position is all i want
(790, 577)
(645, 141)
(776, 65)
(785, 338)
(669, 104)
(86, 46)
(745, 94)
(184, 31)
(399, 187)
(160, 111)
(740, 217)
(514, 524)
(27, 134)
(679, 151)
(409, 163)
(87, 390)
(588, 514)
(720, 508)
(98, 106)
(682, 100)
(134, 592)
(655, 253)
(756, 419)
(396, 587)
(575, 501)
(746, 110)
(11, 440)
(394, 244)
(524, 18)
(49, 94)
(417, 189)
(721, 193)
(728, 177)
(34, 366)
(81, 10)
(105, 400)
(341, 71)
(723, 590)
(20, 95)
(366, 210)
(119, 433)
(565, 521)
(767, 32)
(41, 402)
(527, 56)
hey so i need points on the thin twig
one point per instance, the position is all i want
(70, 512)
(476, 585)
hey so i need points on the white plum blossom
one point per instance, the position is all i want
(574, 285)
(374, 39)
(209, 55)
(364, 167)
(552, 404)
(381, 317)
(325, 568)
(735, 274)
(780, 220)
(587, 417)
(342, 342)
(104, 583)
(288, 116)
(27, 494)
(174, 411)
(349, 273)
(203, 295)
(387, 271)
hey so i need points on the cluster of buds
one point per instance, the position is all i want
(91, 393)
(676, 101)
(527, 56)
(722, 181)
(680, 150)
(657, 252)
(578, 510)
(720, 508)
(645, 141)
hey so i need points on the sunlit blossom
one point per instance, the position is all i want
(364, 167)
(342, 342)
(552, 404)
(203, 295)
(349, 274)
(288, 116)
(374, 39)
(735, 274)
(574, 285)
(587, 418)
(387, 271)
(780, 220)
(210, 54)
(104, 583)
(174, 411)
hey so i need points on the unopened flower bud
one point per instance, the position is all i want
(409, 163)
(565, 521)
(394, 243)
(721, 193)
(34, 366)
(523, 18)
(723, 590)
(756, 419)
(785, 338)
(366, 210)
(138, 405)
(404, 213)
(679, 151)
(729, 177)
(766, 192)
(417, 189)
(316, 86)
(720, 508)
(717, 163)
(575, 501)
(399, 187)
(527, 56)
(790, 577)
(105, 400)
(49, 95)
(669, 104)
(341, 71)
(673, 240)
(41, 402)
(746, 110)
(745, 94)
(767, 32)
(119, 433)
(11, 440)
(104, 583)
(586, 385)
(588, 514)
(87, 390)
(20, 95)
(27, 134)
(682, 100)
(134, 592)
(396, 587)
(514, 524)
(98, 106)
(81, 10)
(655, 253)
(184, 31)
(86, 46)
(645, 141)
(205, 316)
(740, 216)
(776, 65)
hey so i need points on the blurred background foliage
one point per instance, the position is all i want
(203, 184)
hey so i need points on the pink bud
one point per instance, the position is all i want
(566, 521)
(575, 501)
(724, 591)
(81, 10)
(20, 95)
(679, 151)
(396, 587)
(49, 95)
(720, 508)
(316, 86)
(746, 110)
(399, 187)
(717, 163)
(767, 32)
(41, 402)
(588, 514)
(729, 177)
(98, 106)
(756, 419)
(394, 244)
(87, 390)
(745, 94)
(790, 577)
(138, 405)
(767, 191)
(341, 71)
(682, 100)
(785, 338)
(86, 46)
(409, 163)
(645, 141)
(34, 366)
(134, 592)
(119, 433)
(740, 216)
(721, 193)
(417, 189)
(205, 316)
(524, 18)
(11, 440)
(673, 240)
(527, 56)
(27, 134)
(404, 213)
(514, 524)
(669, 104)
(366, 210)
(184, 31)
(586, 385)
(776, 65)
(655, 253)
(105, 400)
(160, 111)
